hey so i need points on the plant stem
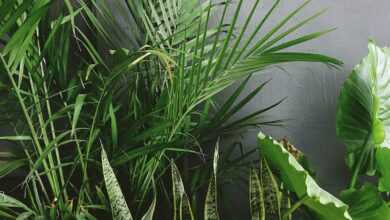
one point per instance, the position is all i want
(29, 121)
(49, 112)
(295, 207)
(361, 159)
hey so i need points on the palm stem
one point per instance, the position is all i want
(29, 121)
(49, 112)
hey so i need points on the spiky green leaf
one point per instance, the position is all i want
(211, 203)
(271, 191)
(77, 110)
(256, 196)
(150, 212)
(181, 204)
(119, 208)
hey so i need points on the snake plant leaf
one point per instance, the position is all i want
(272, 194)
(286, 205)
(211, 204)
(150, 212)
(256, 196)
(298, 180)
(119, 208)
(366, 203)
(363, 121)
(181, 203)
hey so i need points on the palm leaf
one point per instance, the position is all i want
(77, 110)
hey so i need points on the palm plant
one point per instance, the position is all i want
(206, 59)
(80, 84)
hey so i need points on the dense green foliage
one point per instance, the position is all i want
(76, 80)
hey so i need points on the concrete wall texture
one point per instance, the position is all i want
(312, 90)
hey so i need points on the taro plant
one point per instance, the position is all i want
(362, 123)
(74, 80)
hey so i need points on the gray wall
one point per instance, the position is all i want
(313, 89)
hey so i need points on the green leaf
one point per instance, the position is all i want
(149, 214)
(15, 138)
(211, 204)
(10, 202)
(24, 216)
(119, 208)
(77, 110)
(10, 166)
(114, 127)
(223, 110)
(298, 180)
(272, 194)
(181, 204)
(366, 203)
(20, 41)
(363, 120)
(256, 197)
(286, 206)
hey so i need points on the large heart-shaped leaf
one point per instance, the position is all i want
(299, 181)
(366, 203)
(363, 121)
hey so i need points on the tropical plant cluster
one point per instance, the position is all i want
(111, 113)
